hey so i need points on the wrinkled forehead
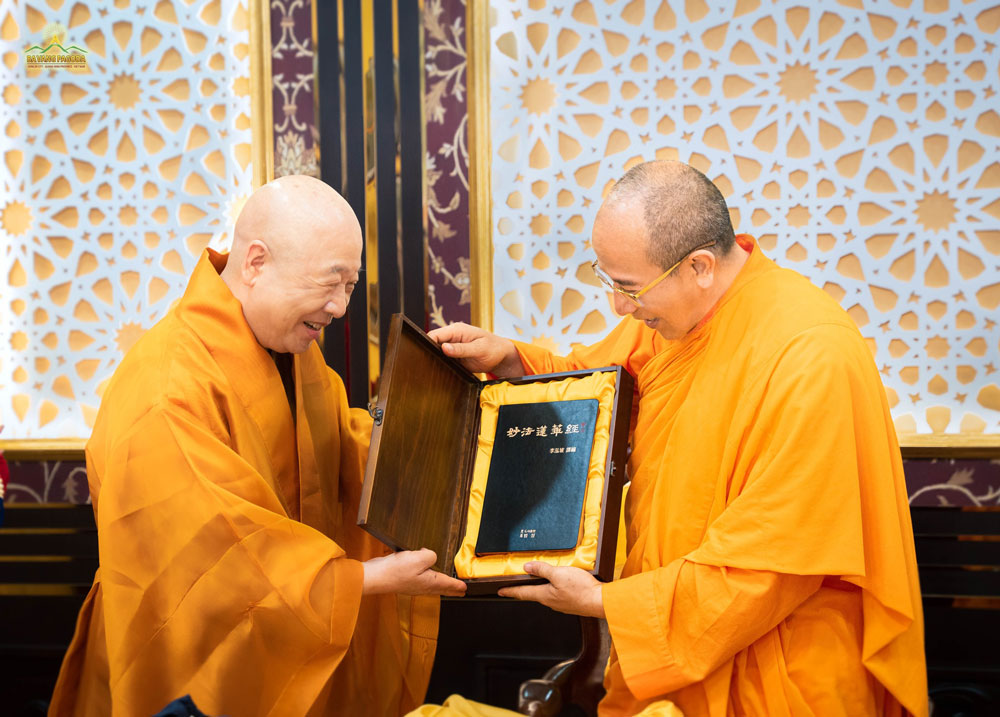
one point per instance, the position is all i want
(326, 257)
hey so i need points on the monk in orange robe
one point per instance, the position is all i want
(225, 469)
(770, 565)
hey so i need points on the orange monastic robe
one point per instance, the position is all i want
(229, 552)
(770, 566)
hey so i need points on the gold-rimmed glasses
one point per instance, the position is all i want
(634, 296)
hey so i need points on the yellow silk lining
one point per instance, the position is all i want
(599, 385)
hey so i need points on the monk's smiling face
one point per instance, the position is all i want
(677, 303)
(295, 261)
(295, 297)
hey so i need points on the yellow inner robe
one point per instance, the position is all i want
(770, 563)
(229, 551)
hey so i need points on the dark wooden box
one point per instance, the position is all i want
(423, 448)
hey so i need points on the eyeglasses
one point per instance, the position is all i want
(634, 296)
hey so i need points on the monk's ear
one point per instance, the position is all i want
(254, 261)
(704, 264)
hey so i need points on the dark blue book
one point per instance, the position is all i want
(538, 477)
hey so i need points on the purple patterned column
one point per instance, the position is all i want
(296, 138)
(446, 117)
(47, 482)
(951, 481)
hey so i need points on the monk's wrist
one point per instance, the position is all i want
(597, 602)
(511, 366)
(374, 582)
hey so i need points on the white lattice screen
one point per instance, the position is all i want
(860, 142)
(114, 179)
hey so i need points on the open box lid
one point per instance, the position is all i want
(424, 445)
(421, 460)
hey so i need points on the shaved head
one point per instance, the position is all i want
(665, 246)
(680, 206)
(287, 213)
(294, 262)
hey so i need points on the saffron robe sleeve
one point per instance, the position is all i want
(207, 588)
(227, 534)
(387, 667)
(178, 553)
(814, 506)
(811, 514)
(630, 344)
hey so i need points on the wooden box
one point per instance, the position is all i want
(423, 447)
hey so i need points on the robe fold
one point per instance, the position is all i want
(229, 552)
(770, 564)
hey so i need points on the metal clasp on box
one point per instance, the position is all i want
(376, 413)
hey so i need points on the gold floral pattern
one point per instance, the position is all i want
(446, 162)
(296, 138)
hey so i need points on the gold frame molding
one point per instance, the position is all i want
(262, 157)
(44, 449)
(261, 100)
(477, 42)
(950, 445)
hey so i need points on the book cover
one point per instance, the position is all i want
(538, 477)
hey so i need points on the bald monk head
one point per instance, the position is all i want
(665, 244)
(294, 262)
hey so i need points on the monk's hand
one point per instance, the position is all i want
(479, 350)
(408, 572)
(569, 590)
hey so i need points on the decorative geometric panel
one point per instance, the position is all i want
(860, 142)
(115, 178)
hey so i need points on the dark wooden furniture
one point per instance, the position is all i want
(488, 646)
(423, 448)
(48, 556)
(958, 555)
(573, 686)
(958, 559)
